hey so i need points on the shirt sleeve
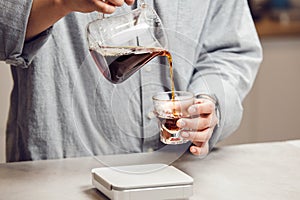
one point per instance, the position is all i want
(227, 61)
(14, 50)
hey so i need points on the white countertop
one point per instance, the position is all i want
(250, 171)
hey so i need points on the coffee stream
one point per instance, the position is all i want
(122, 62)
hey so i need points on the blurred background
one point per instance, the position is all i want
(271, 108)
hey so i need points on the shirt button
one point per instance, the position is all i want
(150, 115)
(148, 69)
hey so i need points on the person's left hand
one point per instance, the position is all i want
(200, 128)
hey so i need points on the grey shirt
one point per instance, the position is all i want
(62, 106)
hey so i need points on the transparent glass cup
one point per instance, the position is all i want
(168, 111)
(121, 44)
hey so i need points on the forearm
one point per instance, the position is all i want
(44, 13)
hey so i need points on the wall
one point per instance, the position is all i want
(271, 109)
(5, 88)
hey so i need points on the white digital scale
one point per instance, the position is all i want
(147, 182)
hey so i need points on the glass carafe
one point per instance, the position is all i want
(121, 44)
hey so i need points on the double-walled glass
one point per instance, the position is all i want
(168, 111)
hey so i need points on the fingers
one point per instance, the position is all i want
(200, 140)
(85, 6)
(109, 6)
(115, 2)
(104, 7)
(202, 107)
(129, 2)
(202, 123)
(200, 150)
(197, 136)
(198, 123)
(202, 116)
(194, 124)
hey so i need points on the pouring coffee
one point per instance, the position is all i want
(120, 45)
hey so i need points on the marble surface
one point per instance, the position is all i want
(249, 171)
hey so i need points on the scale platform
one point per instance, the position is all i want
(147, 182)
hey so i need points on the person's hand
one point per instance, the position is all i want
(104, 6)
(199, 129)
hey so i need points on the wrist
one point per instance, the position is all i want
(62, 6)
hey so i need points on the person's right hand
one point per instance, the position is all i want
(104, 6)
(44, 13)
